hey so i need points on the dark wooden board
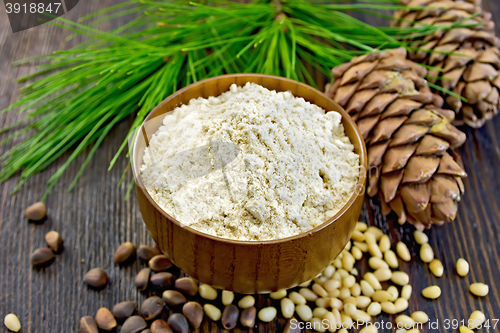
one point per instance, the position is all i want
(94, 219)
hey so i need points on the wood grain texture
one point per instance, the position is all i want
(94, 219)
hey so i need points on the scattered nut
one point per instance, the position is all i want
(246, 302)
(162, 280)
(124, 253)
(267, 314)
(159, 263)
(227, 297)
(146, 252)
(123, 310)
(54, 241)
(426, 253)
(134, 324)
(462, 267)
(420, 317)
(160, 326)
(247, 317)
(431, 292)
(173, 298)
(36, 212)
(403, 251)
(194, 313)
(152, 307)
(304, 312)
(476, 319)
(178, 323)
(96, 278)
(105, 320)
(187, 285)
(280, 293)
(207, 292)
(212, 312)
(436, 268)
(12, 322)
(420, 237)
(41, 257)
(479, 289)
(142, 279)
(230, 316)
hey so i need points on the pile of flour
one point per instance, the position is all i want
(290, 164)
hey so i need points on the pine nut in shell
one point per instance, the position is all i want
(123, 310)
(160, 326)
(391, 259)
(287, 307)
(420, 317)
(36, 212)
(124, 253)
(230, 317)
(146, 252)
(173, 298)
(267, 314)
(105, 319)
(178, 323)
(431, 292)
(212, 312)
(462, 267)
(54, 241)
(96, 278)
(207, 292)
(12, 322)
(247, 317)
(141, 280)
(134, 324)
(152, 307)
(193, 313)
(41, 257)
(403, 252)
(159, 263)
(479, 289)
(436, 268)
(426, 253)
(476, 319)
(187, 285)
(304, 312)
(162, 280)
(400, 278)
(87, 325)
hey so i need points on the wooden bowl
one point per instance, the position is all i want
(248, 266)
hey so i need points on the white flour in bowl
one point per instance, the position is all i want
(291, 166)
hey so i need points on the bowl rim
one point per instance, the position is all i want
(358, 136)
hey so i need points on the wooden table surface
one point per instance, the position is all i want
(94, 219)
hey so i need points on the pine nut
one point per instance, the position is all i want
(383, 274)
(350, 309)
(355, 290)
(267, 314)
(342, 330)
(404, 321)
(370, 238)
(431, 292)
(212, 311)
(375, 231)
(356, 252)
(317, 325)
(388, 307)
(476, 319)
(361, 226)
(358, 236)
(345, 319)
(465, 329)
(331, 285)
(246, 302)
(374, 250)
(228, 297)
(462, 267)
(406, 292)
(394, 293)
(413, 330)
(319, 312)
(328, 271)
(420, 237)
(287, 307)
(385, 243)
(362, 246)
(319, 290)
(400, 278)
(381, 296)
(366, 288)
(347, 247)
(348, 281)
(479, 289)
(305, 284)
(436, 267)
(401, 304)
(348, 261)
(336, 314)
(373, 281)
(297, 298)
(362, 302)
(403, 251)
(304, 312)
(320, 279)
(344, 293)
(343, 273)
(12, 322)
(426, 253)
(420, 317)
(376, 263)
(361, 316)
(308, 294)
(323, 302)
(336, 303)
(331, 321)
(369, 329)
(207, 292)
(354, 271)
(401, 330)
(391, 259)
(374, 309)
(350, 300)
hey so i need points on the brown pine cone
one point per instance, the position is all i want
(409, 137)
(467, 60)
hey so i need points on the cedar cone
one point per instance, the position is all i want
(468, 59)
(410, 138)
